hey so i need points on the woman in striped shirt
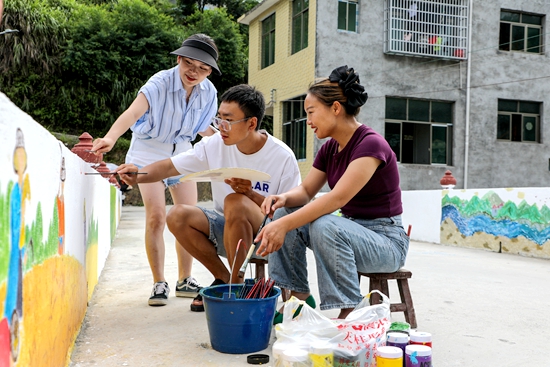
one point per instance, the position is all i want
(169, 111)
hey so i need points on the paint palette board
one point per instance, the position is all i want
(221, 174)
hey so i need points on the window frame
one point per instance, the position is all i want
(295, 120)
(347, 20)
(302, 15)
(270, 33)
(508, 44)
(413, 129)
(432, 29)
(512, 125)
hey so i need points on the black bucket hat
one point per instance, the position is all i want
(199, 50)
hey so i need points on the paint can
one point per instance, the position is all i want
(421, 338)
(343, 360)
(296, 357)
(418, 356)
(321, 354)
(397, 339)
(403, 327)
(277, 353)
(387, 356)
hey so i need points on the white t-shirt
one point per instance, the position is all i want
(275, 158)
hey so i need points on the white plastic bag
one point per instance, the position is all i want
(364, 331)
(354, 340)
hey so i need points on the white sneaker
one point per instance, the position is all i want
(159, 294)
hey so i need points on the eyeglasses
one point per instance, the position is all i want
(198, 66)
(224, 124)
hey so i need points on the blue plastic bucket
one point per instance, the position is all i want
(238, 326)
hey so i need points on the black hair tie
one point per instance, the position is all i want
(348, 80)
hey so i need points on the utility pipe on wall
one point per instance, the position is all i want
(468, 78)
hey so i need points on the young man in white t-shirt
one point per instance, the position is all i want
(204, 233)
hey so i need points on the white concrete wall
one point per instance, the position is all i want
(55, 236)
(422, 210)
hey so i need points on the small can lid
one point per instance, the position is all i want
(390, 352)
(320, 347)
(295, 355)
(421, 350)
(397, 338)
(258, 359)
(420, 336)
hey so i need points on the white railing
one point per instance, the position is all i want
(426, 28)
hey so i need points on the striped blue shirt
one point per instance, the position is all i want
(170, 119)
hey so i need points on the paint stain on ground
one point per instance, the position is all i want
(205, 346)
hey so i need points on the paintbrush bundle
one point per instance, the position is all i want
(260, 289)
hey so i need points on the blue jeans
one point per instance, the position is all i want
(342, 247)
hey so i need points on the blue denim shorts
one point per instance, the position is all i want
(216, 223)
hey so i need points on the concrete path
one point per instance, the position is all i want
(482, 308)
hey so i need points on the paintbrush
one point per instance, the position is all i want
(115, 173)
(253, 246)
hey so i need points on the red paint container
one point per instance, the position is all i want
(420, 338)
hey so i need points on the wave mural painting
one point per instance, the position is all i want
(501, 220)
(49, 241)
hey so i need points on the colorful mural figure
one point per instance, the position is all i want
(13, 309)
(492, 215)
(61, 206)
(43, 266)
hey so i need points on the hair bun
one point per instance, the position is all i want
(348, 80)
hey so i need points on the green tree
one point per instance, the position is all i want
(30, 58)
(233, 60)
(76, 65)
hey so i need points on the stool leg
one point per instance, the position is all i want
(374, 297)
(260, 270)
(384, 287)
(405, 293)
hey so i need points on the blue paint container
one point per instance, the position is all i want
(235, 325)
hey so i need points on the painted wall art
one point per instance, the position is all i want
(53, 219)
(501, 220)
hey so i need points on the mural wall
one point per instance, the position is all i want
(501, 220)
(56, 226)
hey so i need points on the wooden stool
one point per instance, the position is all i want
(260, 272)
(259, 266)
(379, 281)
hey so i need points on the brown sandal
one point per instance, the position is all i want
(197, 304)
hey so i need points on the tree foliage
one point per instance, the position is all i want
(76, 65)
(233, 60)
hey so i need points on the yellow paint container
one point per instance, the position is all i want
(389, 357)
(321, 354)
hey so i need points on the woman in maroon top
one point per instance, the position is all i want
(361, 171)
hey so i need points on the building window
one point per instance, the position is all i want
(437, 29)
(347, 15)
(420, 131)
(520, 32)
(294, 126)
(518, 121)
(300, 14)
(268, 41)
